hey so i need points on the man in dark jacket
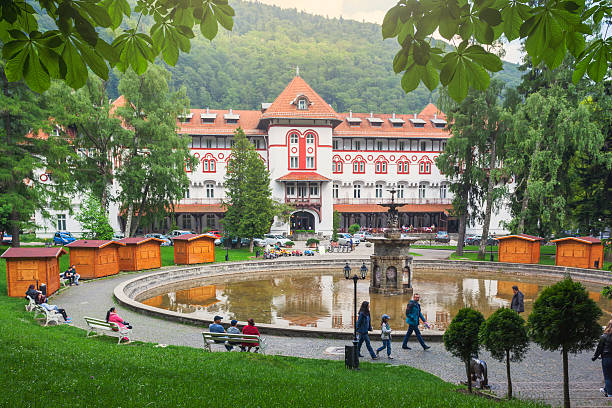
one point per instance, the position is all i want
(517, 303)
(413, 314)
(604, 349)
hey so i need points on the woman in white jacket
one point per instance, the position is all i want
(385, 335)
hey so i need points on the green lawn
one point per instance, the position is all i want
(544, 250)
(472, 256)
(58, 366)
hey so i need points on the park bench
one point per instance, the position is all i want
(95, 325)
(220, 338)
(31, 304)
(48, 315)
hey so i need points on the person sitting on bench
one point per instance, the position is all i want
(252, 330)
(216, 327)
(71, 275)
(41, 300)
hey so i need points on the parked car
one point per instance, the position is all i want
(273, 239)
(217, 234)
(63, 238)
(235, 241)
(363, 235)
(259, 241)
(442, 236)
(7, 238)
(167, 241)
(345, 239)
(175, 233)
(117, 236)
(490, 241)
(470, 238)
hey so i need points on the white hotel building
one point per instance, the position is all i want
(319, 161)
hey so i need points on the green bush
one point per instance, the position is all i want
(354, 228)
(564, 317)
(504, 335)
(290, 243)
(311, 241)
(461, 338)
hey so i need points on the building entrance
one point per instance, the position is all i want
(302, 220)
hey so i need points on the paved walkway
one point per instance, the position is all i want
(539, 376)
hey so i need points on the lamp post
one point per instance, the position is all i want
(227, 244)
(352, 361)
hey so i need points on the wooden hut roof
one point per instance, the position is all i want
(521, 236)
(191, 237)
(586, 240)
(93, 243)
(33, 253)
(138, 240)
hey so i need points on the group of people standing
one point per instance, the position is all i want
(364, 325)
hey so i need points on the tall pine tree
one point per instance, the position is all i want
(250, 208)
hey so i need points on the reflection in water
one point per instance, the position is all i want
(325, 299)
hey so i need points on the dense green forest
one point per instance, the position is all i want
(345, 61)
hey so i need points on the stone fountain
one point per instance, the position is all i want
(391, 264)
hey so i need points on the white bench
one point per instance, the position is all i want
(31, 304)
(220, 339)
(48, 315)
(94, 325)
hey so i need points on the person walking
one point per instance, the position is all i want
(518, 300)
(364, 325)
(604, 349)
(413, 314)
(385, 335)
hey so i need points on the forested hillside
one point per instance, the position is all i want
(345, 61)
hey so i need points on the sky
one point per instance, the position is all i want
(372, 11)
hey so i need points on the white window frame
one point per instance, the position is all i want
(294, 162)
(310, 162)
(335, 191)
(210, 190)
(378, 190)
(357, 191)
(61, 222)
(422, 190)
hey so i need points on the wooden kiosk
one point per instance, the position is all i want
(519, 248)
(579, 252)
(193, 249)
(95, 258)
(27, 266)
(140, 253)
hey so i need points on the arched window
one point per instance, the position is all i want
(209, 164)
(337, 164)
(425, 166)
(310, 139)
(359, 165)
(403, 165)
(380, 165)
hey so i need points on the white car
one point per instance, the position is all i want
(363, 235)
(260, 242)
(273, 239)
(345, 239)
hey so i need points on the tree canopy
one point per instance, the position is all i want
(550, 29)
(76, 42)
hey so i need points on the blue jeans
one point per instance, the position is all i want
(387, 345)
(416, 330)
(366, 338)
(606, 365)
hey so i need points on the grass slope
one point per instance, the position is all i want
(57, 366)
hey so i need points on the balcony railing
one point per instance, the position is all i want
(303, 200)
(446, 201)
(200, 201)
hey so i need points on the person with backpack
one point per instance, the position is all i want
(604, 349)
(413, 314)
(363, 327)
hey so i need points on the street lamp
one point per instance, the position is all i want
(353, 360)
(227, 244)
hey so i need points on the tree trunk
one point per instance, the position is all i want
(525, 203)
(461, 239)
(469, 377)
(141, 208)
(508, 374)
(489, 203)
(251, 242)
(566, 396)
(14, 222)
(128, 221)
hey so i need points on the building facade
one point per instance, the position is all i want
(319, 161)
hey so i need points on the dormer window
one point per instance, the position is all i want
(231, 117)
(208, 117)
(438, 123)
(375, 122)
(416, 122)
(396, 122)
(185, 117)
(302, 104)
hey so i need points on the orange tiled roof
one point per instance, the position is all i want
(199, 208)
(285, 104)
(302, 176)
(431, 110)
(586, 240)
(248, 121)
(386, 129)
(408, 208)
(522, 236)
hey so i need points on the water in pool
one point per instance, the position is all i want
(324, 299)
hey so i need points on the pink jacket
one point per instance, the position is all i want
(114, 317)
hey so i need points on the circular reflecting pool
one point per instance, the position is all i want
(324, 299)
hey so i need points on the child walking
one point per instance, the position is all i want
(385, 334)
